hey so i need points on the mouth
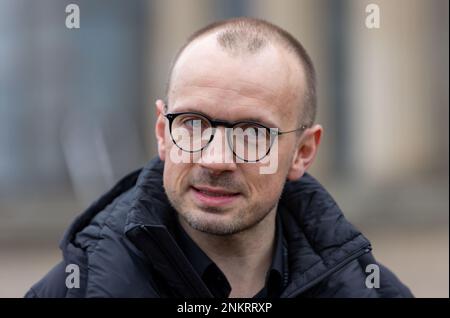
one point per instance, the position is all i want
(217, 197)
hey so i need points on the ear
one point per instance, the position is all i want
(160, 129)
(305, 152)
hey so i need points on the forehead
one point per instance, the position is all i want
(266, 82)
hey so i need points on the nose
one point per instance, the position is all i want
(217, 155)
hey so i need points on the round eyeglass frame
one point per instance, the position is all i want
(214, 123)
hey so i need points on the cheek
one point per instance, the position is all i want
(285, 157)
(168, 142)
(271, 185)
(265, 187)
(175, 176)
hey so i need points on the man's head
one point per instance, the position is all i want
(240, 69)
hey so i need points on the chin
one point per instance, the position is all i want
(213, 223)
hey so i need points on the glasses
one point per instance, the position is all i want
(249, 141)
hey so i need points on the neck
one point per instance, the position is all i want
(244, 257)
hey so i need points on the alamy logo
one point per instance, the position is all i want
(373, 279)
(73, 17)
(73, 279)
(373, 16)
(248, 145)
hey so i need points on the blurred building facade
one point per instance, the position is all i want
(77, 113)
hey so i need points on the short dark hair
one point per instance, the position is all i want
(249, 35)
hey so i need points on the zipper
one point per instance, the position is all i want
(364, 250)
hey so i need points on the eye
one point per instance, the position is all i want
(252, 129)
(192, 122)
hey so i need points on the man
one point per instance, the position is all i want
(205, 219)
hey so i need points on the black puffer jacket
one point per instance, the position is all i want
(123, 247)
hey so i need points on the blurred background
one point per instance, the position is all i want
(77, 114)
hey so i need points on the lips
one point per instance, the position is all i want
(211, 196)
(217, 192)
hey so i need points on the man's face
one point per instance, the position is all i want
(225, 197)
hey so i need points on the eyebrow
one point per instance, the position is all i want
(259, 120)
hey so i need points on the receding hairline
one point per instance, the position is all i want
(259, 34)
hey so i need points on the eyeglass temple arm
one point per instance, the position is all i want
(303, 127)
